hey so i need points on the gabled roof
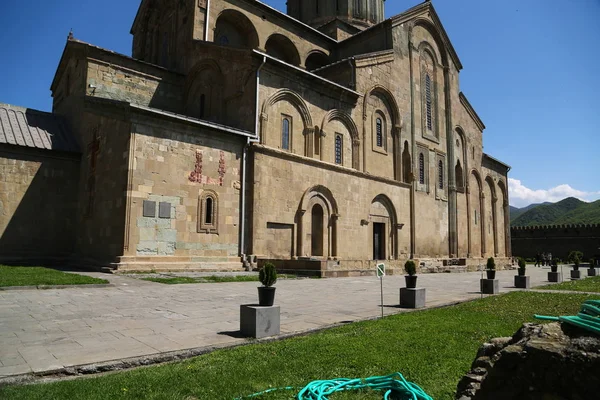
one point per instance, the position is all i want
(26, 127)
(420, 9)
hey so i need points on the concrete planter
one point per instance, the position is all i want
(554, 276)
(575, 274)
(412, 297)
(258, 321)
(591, 271)
(522, 282)
(490, 286)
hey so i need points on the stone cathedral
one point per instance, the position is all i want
(324, 140)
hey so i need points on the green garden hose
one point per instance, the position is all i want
(393, 385)
(588, 318)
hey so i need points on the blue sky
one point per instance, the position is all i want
(530, 71)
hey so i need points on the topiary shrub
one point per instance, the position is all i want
(491, 264)
(522, 266)
(410, 267)
(268, 275)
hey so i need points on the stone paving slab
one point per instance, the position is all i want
(50, 329)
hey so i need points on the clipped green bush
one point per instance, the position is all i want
(522, 266)
(491, 264)
(410, 267)
(268, 275)
(575, 255)
(592, 263)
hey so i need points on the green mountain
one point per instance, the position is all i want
(587, 213)
(517, 212)
(550, 214)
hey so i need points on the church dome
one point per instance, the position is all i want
(316, 13)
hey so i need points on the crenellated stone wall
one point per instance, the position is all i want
(556, 239)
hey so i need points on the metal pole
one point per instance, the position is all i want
(480, 287)
(381, 282)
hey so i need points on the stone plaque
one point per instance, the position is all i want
(149, 208)
(164, 210)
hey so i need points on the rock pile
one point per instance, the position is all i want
(552, 361)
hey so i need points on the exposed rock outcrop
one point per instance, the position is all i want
(545, 362)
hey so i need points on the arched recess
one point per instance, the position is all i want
(317, 201)
(407, 174)
(475, 206)
(431, 85)
(435, 34)
(503, 219)
(283, 49)
(375, 93)
(347, 121)
(297, 102)
(315, 60)
(383, 228)
(235, 29)
(490, 224)
(461, 155)
(204, 91)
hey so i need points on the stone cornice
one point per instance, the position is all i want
(380, 57)
(259, 148)
(471, 111)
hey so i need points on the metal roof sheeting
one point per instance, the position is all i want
(26, 127)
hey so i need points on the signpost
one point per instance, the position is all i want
(380, 275)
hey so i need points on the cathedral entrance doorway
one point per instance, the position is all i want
(378, 241)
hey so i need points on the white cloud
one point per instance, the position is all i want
(521, 196)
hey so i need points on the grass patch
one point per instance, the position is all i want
(432, 348)
(35, 276)
(211, 279)
(591, 284)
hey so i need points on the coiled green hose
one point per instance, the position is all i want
(393, 385)
(588, 318)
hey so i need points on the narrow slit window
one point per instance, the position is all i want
(338, 149)
(379, 132)
(440, 174)
(208, 215)
(428, 101)
(285, 134)
(421, 169)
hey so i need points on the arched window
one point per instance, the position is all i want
(356, 9)
(338, 149)
(379, 132)
(285, 133)
(208, 216)
(428, 102)
(421, 169)
(440, 175)
(317, 7)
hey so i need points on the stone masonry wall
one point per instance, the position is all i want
(37, 203)
(176, 165)
(556, 239)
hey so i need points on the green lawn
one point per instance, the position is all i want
(432, 348)
(210, 279)
(35, 276)
(591, 284)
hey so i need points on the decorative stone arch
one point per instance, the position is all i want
(480, 201)
(282, 48)
(315, 60)
(317, 196)
(345, 119)
(391, 226)
(435, 34)
(492, 202)
(393, 105)
(506, 220)
(395, 123)
(239, 25)
(208, 212)
(294, 99)
(203, 90)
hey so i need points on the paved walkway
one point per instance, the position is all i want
(44, 330)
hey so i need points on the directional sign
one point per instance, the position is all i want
(380, 270)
